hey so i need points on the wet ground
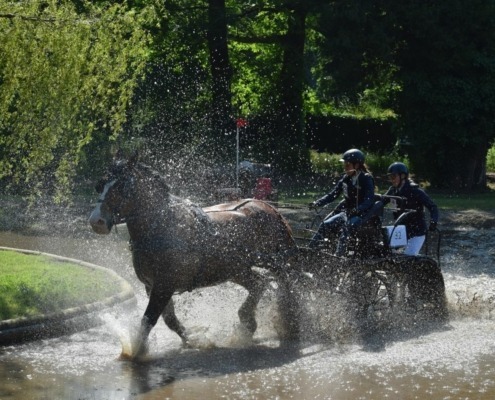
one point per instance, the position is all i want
(456, 361)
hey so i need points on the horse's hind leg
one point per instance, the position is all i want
(255, 284)
(173, 322)
(288, 308)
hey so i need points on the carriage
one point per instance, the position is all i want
(383, 283)
(178, 246)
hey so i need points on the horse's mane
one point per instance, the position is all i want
(158, 180)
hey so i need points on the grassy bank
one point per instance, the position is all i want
(479, 201)
(35, 284)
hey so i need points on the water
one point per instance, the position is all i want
(455, 362)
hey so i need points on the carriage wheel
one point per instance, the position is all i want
(374, 295)
(426, 288)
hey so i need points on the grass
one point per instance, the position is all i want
(35, 284)
(481, 201)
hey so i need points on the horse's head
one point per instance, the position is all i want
(117, 191)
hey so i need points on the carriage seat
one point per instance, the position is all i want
(374, 215)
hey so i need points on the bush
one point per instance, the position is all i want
(490, 160)
(325, 163)
(329, 164)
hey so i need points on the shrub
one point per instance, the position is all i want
(490, 160)
(327, 163)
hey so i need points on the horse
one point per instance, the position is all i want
(178, 246)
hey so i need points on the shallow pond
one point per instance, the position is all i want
(455, 362)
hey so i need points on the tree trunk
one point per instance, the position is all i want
(290, 147)
(475, 175)
(221, 73)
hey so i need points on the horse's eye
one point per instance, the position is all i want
(123, 186)
(99, 186)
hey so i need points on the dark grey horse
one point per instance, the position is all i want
(177, 246)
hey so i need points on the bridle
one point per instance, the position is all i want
(125, 193)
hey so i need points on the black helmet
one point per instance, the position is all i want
(398, 168)
(353, 156)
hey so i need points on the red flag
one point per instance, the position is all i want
(241, 122)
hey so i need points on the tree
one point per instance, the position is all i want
(221, 70)
(292, 153)
(447, 73)
(433, 64)
(275, 33)
(77, 78)
(357, 58)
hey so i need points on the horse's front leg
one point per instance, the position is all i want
(159, 297)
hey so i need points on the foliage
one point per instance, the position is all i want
(490, 160)
(447, 74)
(355, 64)
(141, 73)
(379, 163)
(32, 285)
(170, 115)
(78, 78)
(325, 163)
(330, 164)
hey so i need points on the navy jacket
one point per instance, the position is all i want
(359, 196)
(415, 198)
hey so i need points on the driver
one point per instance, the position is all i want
(415, 198)
(358, 188)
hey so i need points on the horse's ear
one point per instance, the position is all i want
(133, 159)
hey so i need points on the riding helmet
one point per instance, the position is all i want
(398, 168)
(353, 156)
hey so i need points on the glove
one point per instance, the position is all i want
(353, 212)
(433, 226)
(312, 205)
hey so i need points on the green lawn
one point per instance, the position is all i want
(36, 284)
(481, 201)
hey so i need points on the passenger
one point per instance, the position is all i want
(358, 187)
(415, 198)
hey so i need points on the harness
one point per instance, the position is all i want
(234, 208)
(164, 242)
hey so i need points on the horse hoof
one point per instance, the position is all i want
(135, 350)
(125, 357)
(141, 356)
